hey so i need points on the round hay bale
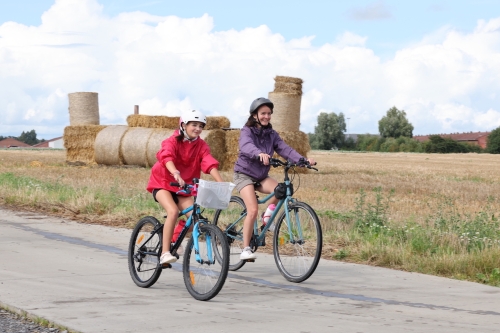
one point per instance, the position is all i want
(286, 115)
(107, 145)
(289, 85)
(83, 108)
(290, 79)
(134, 146)
(154, 143)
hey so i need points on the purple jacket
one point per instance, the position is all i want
(254, 141)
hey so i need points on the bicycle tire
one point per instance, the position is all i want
(144, 267)
(224, 219)
(296, 257)
(205, 280)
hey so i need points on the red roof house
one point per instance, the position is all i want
(11, 142)
(52, 143)
(475, 138)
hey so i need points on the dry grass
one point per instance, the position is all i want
(420, 181)
(423, 184)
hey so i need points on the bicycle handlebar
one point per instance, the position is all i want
(187, 188)
(276, 162)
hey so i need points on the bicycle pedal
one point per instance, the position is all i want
(166, 266)
(250, 260)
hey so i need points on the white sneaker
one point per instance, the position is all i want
(247, 254)
(167, 258)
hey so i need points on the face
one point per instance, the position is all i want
(194, 128)
(264, 115)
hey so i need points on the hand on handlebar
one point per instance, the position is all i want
(311, 161)
(264, 158)
(179, 180)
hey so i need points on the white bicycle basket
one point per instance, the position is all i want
(214, 194)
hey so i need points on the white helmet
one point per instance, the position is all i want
(191, 116)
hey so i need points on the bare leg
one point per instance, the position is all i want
(248, 195)
(267, 186)
(165, 199)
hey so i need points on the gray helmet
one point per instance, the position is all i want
(259, 102)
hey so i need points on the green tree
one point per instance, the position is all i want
(493, 144)
(329, 132)
(395, 124)
(28, 137)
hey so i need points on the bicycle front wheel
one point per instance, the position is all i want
(143, 252)
(297, 245)
(204, 275)
(230, 221)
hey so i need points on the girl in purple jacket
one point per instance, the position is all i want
(257, 144)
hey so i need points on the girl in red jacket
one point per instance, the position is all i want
(181, 158)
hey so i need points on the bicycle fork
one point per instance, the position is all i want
(196, 244)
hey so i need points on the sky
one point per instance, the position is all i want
(439, 61)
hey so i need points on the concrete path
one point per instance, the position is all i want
(76, 275)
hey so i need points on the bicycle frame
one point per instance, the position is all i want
(286, 202)
(192, 218)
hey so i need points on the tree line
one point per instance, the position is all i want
(395, 135)
(28, 137)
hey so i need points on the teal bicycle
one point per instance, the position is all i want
(297, 235)
(206, 257)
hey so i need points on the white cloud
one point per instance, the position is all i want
(446, 82)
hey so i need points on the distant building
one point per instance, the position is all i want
(53, 143)
(11, 143)
(475, 138)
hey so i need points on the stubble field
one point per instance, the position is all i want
(429, 213)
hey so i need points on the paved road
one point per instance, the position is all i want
(76, 275)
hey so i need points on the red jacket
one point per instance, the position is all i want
(189, 157)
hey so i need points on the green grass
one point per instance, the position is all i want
(463, 246)
(55, 196)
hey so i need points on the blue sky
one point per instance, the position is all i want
(437, 60)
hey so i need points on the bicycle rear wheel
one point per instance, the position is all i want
(204, 276)
(143, 252)
(230, 221)
(297, 249)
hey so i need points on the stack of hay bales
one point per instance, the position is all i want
(286, 98)
(138, 143)
(84, 127)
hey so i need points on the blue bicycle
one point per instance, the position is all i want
(206, 257)
(297, 235)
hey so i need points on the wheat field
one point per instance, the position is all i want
(445, 197)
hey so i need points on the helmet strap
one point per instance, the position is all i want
(186, 136)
